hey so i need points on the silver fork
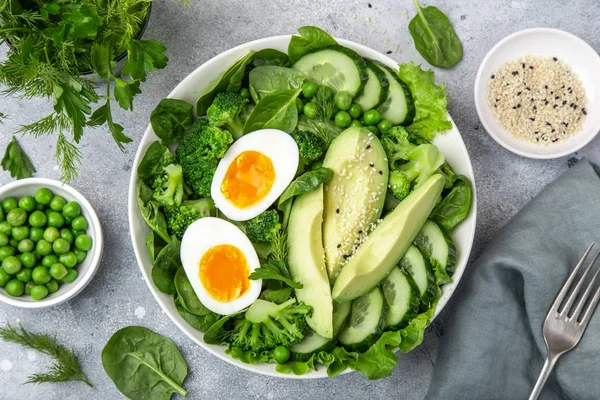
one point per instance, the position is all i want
(564, 325)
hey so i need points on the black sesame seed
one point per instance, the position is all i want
(556, 97)
(515, 73)
(546, 102)
(552, 92)
(388, 52)
(527, 88)
(339, 245)
(514, 107)
(554, 140)
(546, 87)
(519, 105)
(575, 107)
(569, 88)
(519, 93)
(347, 255)
(523, 65)
(531, 67)
(337, 210)
(534, 107)
(368, 146)
(562, 87)
(532, 119)
(548, 123)
(493, 76)
(360, 232)
(380, 172)
(564, 102)
(571, 105)
(552, 131)
(497, 99)
(554, 106)
(370, 5)
(555, 59)
(372, 164)
(583, 111)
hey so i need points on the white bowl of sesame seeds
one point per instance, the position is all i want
(536, 93)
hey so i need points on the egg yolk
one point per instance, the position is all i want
(224, 272)
(248, 179)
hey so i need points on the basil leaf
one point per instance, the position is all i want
(170, 119)
(276, 111)
(311, 38)
(455, 206)
(270, 79)
(305, 183)
(187, 296)
(165, 267)
(435, 37)
(16, 162)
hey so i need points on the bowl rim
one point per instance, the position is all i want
(133, 206)
(480, 107)
(98, 238)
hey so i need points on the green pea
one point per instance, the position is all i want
(9, 203)
(19, 233)
(373, 129)
(52, 286)
(309, 89)
(310, 110)
(57, 203)
(26, 246)
(372, 117)
(245, 93)
(39, 207)
(36, 234)
(56, 219)
(43, 247)
(38, 292)
(81, 254)
(281, 354)
(48, 261)
(3, 240)
(4, 277)
(71, 276)
(16, 217)
(299, 105)
(13, 243)
(38, 219)
(6, 251)
(24, 275)
(51, 234)
(43, 196)
(27, 203)
(28, 260)
(77, 233)
(61, 246)
(12, 265)
(79, 223)
(28, 286)
(356, 123)
(83, 242)
(342, 119)
(343, 100)
(67, 235)
(384, 125)
(354, 110)
(58, 271)
(68, 220)
(68, 260)
(41, 275)
(15, 288)
(5, 228)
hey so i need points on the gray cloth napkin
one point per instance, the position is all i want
(493, 346)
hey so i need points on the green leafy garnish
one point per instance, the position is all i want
(16, 162)
(66, 365)
(275, 270)
(311, 38)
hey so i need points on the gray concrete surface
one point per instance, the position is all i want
(118, 296)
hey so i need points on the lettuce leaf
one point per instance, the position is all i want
(303, 367)
(250, 357)
(429, 100)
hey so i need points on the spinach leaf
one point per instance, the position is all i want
(277, 296)
(143, 364)
(200, 323)
(170, 119)
(230, 81)
(277, 111)
(154, 244)
(269, 57)
(165, 267)
(187, 296)
(311, 38)
(270, 79)
(455, 207)
(275, 270)
(155, 159)
(305, 183)
(150, 210)
(218, 332)
(435, 37)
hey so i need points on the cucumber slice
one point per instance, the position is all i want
(437, 246)
(367, 321)
(311, 343)
(419, 268)
(376, 90)
(338, 67)
(402, 297)
(341, 311)
(398, 107)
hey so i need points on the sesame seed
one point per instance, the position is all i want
(368, 147)
(337, 210)
(555, 59)
(380, 172)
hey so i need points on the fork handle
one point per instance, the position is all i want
(544, 374)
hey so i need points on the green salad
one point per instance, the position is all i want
(300, 214)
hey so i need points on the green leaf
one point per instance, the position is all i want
(276, 111)
(429, 99)
(71, 98)
(270, 57)
(270, 79)
(170, 119)
(455, 206)
(16, 162)
(305, 183)
(102, 56)
(272, 271)
(187, 296)
(277, 296)
(156, 158)
(103, 115)
(154, 244)
(250, 357)
(143, 56)
(311, 38)
(83, 22)
(150, 210)
(125, 91)
(200, 323)
(304, 367)
(165, 267)
(217, 334)
(435, 37)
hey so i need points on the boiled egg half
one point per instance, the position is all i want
(254, 172)
(218, 258)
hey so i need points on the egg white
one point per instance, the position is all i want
(273, 143)
(204, 234)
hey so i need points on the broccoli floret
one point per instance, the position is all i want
(168, 188)
(199, 153)
(310, 146)
(225, 112)
(179, 218)
(267, 325)
(422, 162)
(264, 227)
(396, 145)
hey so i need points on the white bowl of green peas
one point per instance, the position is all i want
(50, 243)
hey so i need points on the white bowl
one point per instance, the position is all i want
(545, 42)
(189, 89)
(87, 269)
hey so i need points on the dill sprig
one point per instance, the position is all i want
(66, 365)
(279, 247)
(325, 101)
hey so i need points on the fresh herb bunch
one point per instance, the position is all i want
(66, 365)
(53, 45)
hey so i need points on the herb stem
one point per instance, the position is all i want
(15, 30)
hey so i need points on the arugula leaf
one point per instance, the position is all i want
(275, 270)
(311, 38)
(143, 56)
(16, 162)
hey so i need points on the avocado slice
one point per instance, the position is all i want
(307, 262)
(355, 194)
(387, 244)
